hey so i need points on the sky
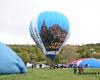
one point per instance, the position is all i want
(16, 15)
(52, 18)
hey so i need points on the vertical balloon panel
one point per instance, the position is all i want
(35, 36)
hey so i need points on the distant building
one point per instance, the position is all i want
(43, 28)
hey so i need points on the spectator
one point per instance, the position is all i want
(32, 66)
(80, 69)
(40, 65)
(75, 69)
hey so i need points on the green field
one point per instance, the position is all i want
(54, 74)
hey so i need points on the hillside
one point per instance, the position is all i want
(32, 53)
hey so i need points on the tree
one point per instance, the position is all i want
(58, 59)
(84, 52)
(25, 56)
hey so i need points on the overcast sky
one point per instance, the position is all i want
(83, 16)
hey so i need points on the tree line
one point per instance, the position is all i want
(33, 54)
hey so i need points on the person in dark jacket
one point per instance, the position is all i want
(80, 69)
(75, 69)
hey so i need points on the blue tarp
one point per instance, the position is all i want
(92, 63)
(10, 62)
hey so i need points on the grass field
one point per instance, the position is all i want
(55, 74)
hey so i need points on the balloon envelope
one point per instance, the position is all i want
(53, 30)
(10, 62)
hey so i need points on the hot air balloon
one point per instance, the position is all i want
(50, 32)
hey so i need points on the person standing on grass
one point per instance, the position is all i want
(40, 65)
(75, 69)
(32, 66)
(80, 69)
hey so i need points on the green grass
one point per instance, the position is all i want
(55, 74)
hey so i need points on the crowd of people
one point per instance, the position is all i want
(79, 69)
(76, 69)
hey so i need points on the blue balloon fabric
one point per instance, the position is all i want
(10, 63)
(92, 62)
